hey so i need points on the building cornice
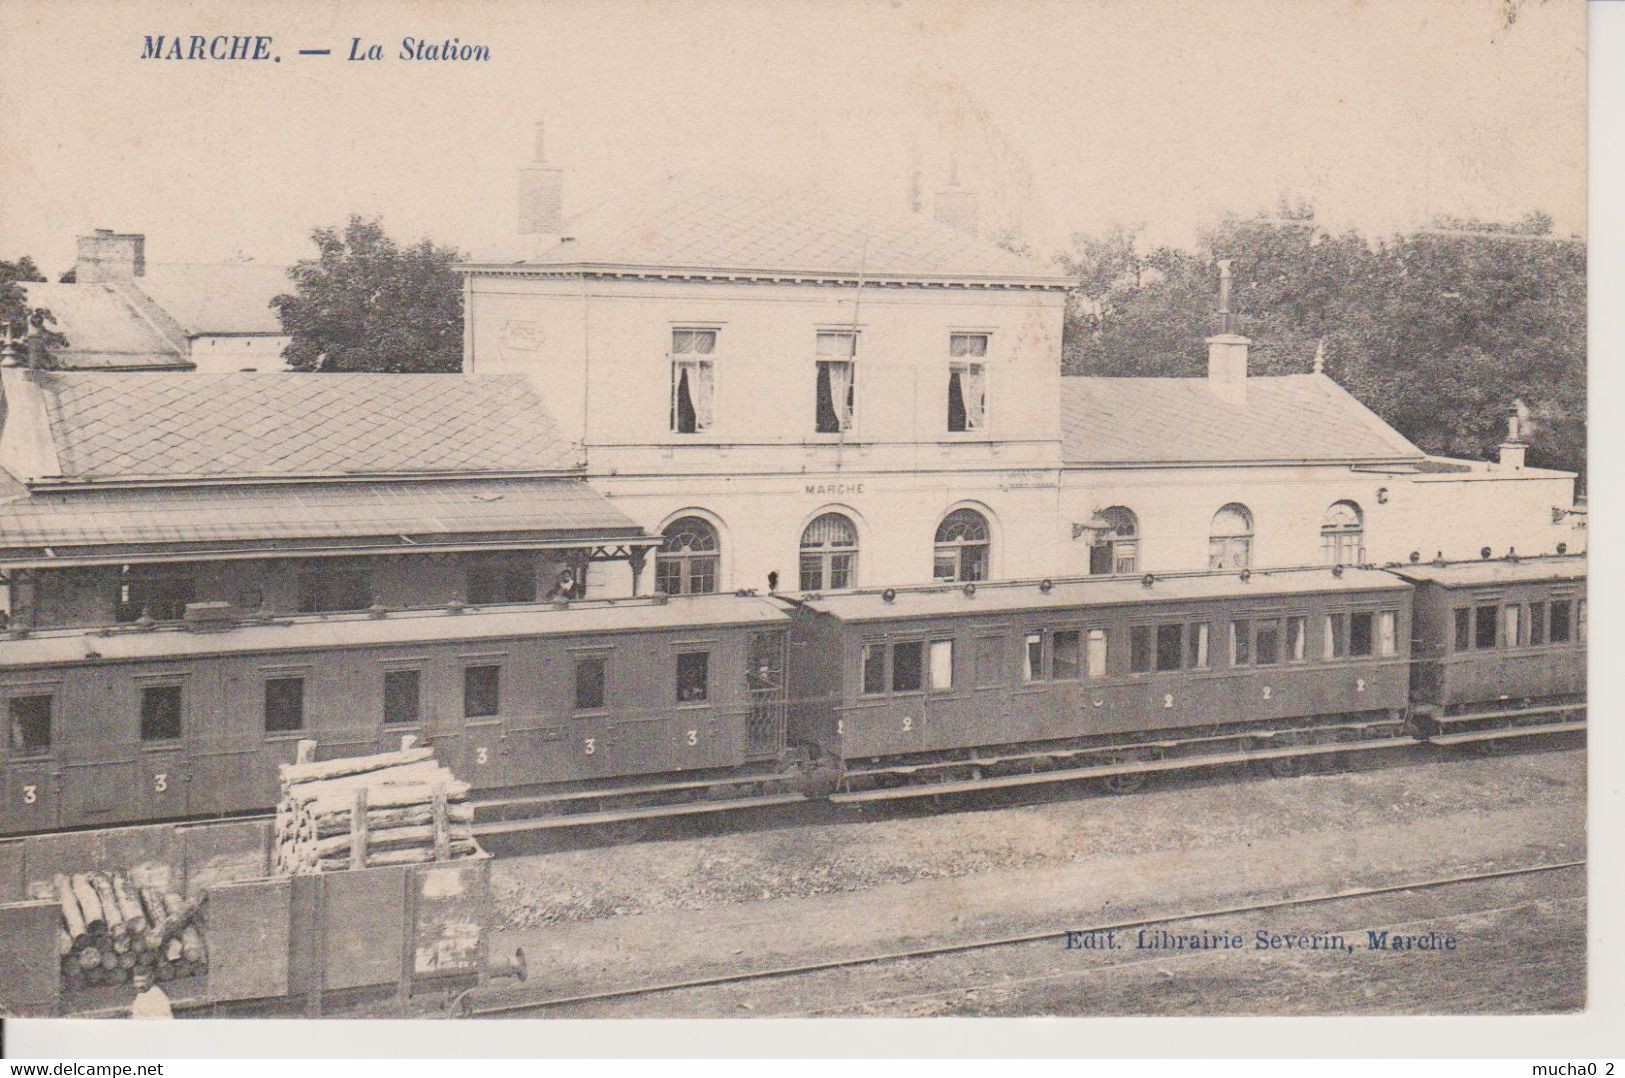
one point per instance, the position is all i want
(632, 271)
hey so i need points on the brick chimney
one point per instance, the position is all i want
(541, 200)
(956, 206)
(108, 256)
(1227, 349)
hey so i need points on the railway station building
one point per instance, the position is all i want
(810, 394)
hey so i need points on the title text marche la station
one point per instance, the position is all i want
(261, 47)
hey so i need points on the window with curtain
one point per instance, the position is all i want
(1116, 550)
(829, 554)
(686, 563)
(693, 380)
(967, 381)
(836, 395)
(962, 547)
(1230, 540)
(1342, 535)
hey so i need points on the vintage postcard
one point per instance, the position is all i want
(721, 509)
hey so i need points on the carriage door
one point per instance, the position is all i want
(764, 675)
(485, 700)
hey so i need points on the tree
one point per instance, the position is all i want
(365, 303)
(15, 313)
(1439, 332)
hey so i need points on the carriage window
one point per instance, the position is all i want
(1032, 662)
(1240, 643)
(1464, 628)
(1065, 646)
(1097, 652)
(284, 704)
(482, 691)
(1337, 638)
(1297, 643)
(1169, 646)
(1510, 634)
(30, 724)
(1537, 623)
(1387, 633)
(401, 697)
(161, 713)
(989, 660)
(874, 669)
(1139, 649)
(1360, 633)
(591, 677)
(1268, 643)
(942, 664)
(1557, 625)
(906, 662)
(693, 668)
(1197, 649)
(1484, 626)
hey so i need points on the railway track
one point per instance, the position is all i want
(469, 1004)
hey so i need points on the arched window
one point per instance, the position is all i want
(687, 561)
(1116, 550)
(1342, 535)
(829, 554)
(961, 547)
(1230, 541)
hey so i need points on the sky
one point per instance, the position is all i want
(1064, 116)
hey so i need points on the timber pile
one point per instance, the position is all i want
(112, 929)
(393, 808)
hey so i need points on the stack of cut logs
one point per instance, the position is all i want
(112, 929)
(393, 808)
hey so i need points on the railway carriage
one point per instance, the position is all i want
(560, 710)
(947, 689)
(1500, 648)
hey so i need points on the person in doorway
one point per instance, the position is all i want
(150, 1000)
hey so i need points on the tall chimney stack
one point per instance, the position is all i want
(1513, 449)
(1227, 349)
(541, 199)
(108, 256)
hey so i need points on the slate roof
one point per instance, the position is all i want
(104, 331)
(288, 517)
(125, 426)
(217, 298)
(1295, 418)
(774, 228)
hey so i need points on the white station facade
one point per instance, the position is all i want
(805, 394)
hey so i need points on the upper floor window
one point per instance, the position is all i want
(829, 554)
(693, 380)
(332, 589)
(1230, 542)
(962, 546)
(1342, 535)
(836, 392)
(160, 596)
(1116, 549)
(687, 561)
(967, 381)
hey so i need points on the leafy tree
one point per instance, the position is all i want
(15, 313)
(1440, 332)
(365, 303)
